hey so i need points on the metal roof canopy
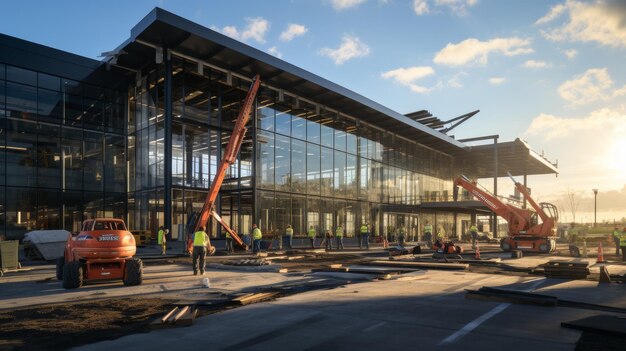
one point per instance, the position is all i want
(468, 206)
(515, 157)
(164, 29)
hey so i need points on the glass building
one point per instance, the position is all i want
(139, 136)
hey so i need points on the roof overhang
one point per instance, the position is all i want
(164, 29)
(515, 157)
(468, 206)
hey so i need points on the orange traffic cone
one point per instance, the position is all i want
(477, 254)
(600, 255)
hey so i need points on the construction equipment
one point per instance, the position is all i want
(102, 250)
(230, 156)
(525, 231)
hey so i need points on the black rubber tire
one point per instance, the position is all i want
(545, 247)
(60, 264)
(133, 272)
(73, 275)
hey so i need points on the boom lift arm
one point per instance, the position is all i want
(230, 156)
(525, 233)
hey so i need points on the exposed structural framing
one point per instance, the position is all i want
(426, 118)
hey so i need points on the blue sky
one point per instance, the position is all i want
(549, 72)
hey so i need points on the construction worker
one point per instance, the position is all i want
(311, 234)
(201, 242)
(474, 234)
(616, 239)
(365, 232)
(440, 237)
(256, 239)
(428, 233)
(622, 244)
(229, 243)
(339, 237)
(328, 238)
(401, 235)
(288, 238)
(162, 240)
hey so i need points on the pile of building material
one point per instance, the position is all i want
(45, 244)
(177, 317)
(254, 298)
(419, 265)
(565, 269)
(249, 262)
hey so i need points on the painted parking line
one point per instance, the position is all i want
(480, 320)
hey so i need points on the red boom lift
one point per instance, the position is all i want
(230, 156)
(525, 231)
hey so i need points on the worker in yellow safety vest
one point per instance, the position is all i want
(365, 232)
(201, 243)
(288, 238)
(474, 235)
(428, 233)
(230, 248)
(339, 237)
(311, 234)
(616, 240)
(256, 239)
(162, 240)
(622, 244)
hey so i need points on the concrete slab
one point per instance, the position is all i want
(392, 315)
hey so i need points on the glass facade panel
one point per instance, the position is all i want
(298, 166)
(327, 171)
(313, 169)
(48, 157)
(265, 166)
(282, 174)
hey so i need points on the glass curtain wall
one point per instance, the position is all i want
(205, 106)
(331, 169)
(63, 152)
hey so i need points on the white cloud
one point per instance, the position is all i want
(455, 81)
(456, 7)
(350, 48)
(420, 7)
(256, 29)
(274, 51)
(536, 64)
(472, 51)
(553, 14)
(293, 30)
(571, 53)
(593, 85)
(603, 22)
(345, 4)
(496, 80)
(554, 127)
(408, 76)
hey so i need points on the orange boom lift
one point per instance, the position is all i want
(102, 250)
(230, 156)
(525, 231)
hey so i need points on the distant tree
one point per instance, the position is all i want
(573, 202)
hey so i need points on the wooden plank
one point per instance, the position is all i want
(166, 318)
(431, 265)
(253, 298)
(180, 313)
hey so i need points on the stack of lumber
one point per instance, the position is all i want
(177, 317)
(566, 269)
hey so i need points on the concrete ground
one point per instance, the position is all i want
(425, 309)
